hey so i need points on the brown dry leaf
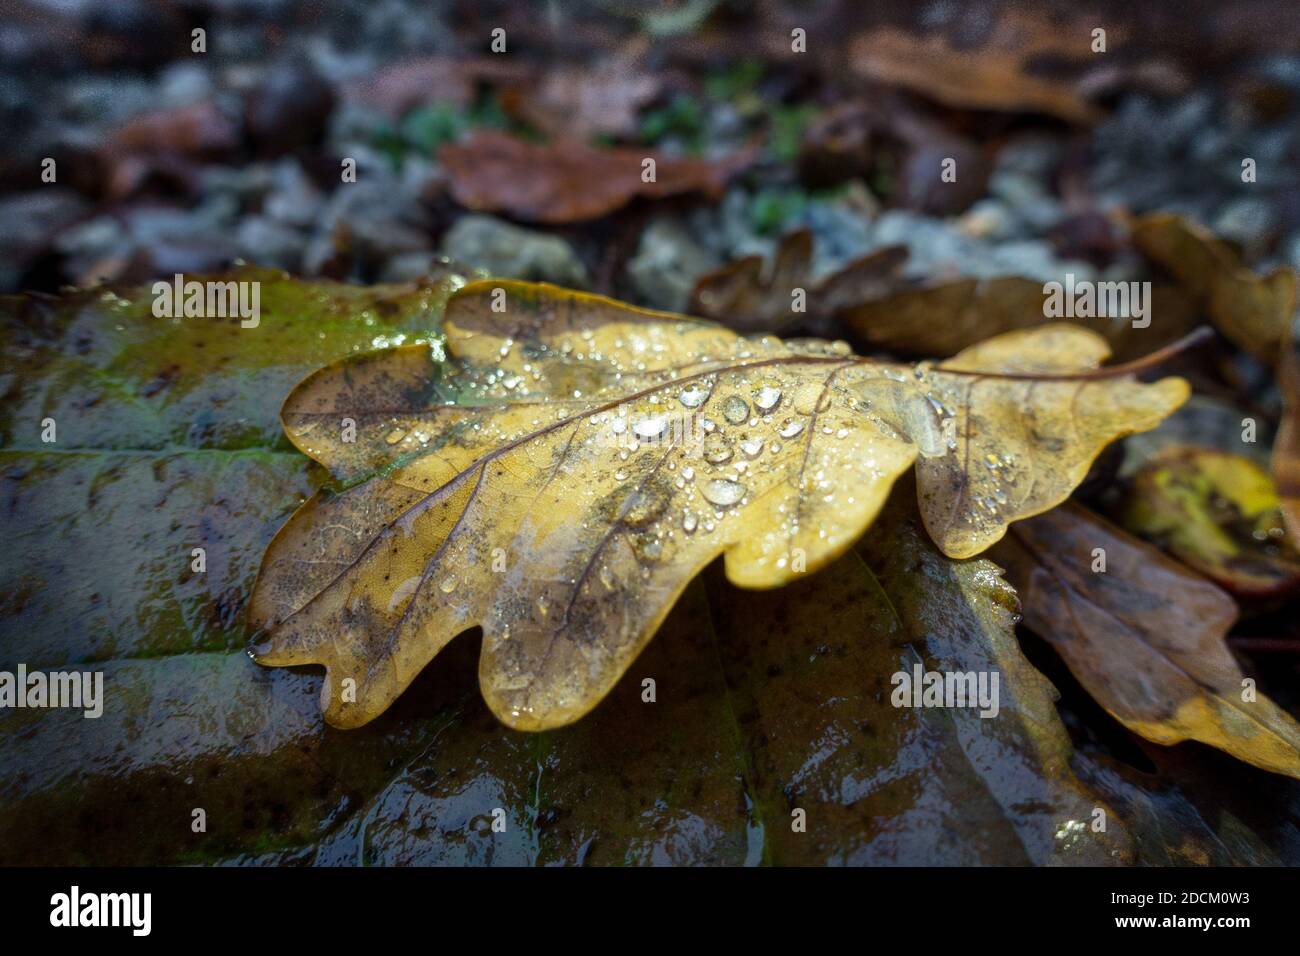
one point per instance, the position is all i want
(994, 76)
(596, 457)
(751, 298)
(1286, 445)
(168, 139)
(404, 86)
(583, 103)
(1145, 637)
(1217, 512)
(938, 319)
(1253, 311)
(568, 181)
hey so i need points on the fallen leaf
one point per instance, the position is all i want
(1253, 311)
(402, 87)
(568, 181)
(113, 375)
(1218, 513)
(166, 139)
(583, 103)
(1286, 446)
(1144, 635)
(751, 298)
(942, 318)
(511, 458)
(995, 76)
(1222, 814)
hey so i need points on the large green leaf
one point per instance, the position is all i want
(765, 704)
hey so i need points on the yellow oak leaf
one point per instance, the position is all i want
(575, 462)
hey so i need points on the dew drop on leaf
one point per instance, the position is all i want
(766, 398)
(693, 396)
(651, 427)
(791, 427)
(735, 409)
(723, 491)
(716, 448)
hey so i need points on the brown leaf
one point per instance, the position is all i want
(1253, 311)
(168, 139)
(400, 88)
(583, 103)
(995, 76)
(1144, 635)
(942, 318)
(569, 181)
(1286, 445)
(749, 298)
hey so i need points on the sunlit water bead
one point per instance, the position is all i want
(689, 521)
(790, 428)
(752, 447)
(448, 584)
(723, 492)
(716, 448)
(735, 409)
(395, 434)
(651, 427)
(693, 395)
(766, 398)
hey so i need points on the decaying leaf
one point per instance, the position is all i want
(403, 86)
(583, 103)
(1286, 446)
(1218, 513)
(1143, 635)
(1253, 311)
(582, 461)
(995, 76)
(750, 297)
(569, 181)
(942, 318)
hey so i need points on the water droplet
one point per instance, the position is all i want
(735, 409)
(620, 475)
(716, 448)
(693, 396)
(723, 491)
(543, 605)
(395, 435)
(688, 472)
(618, 426)
(767, 397)
(448, 584)
(689, 522)
(650, 427)
(752, 447)
(607, 577)
(791, 427)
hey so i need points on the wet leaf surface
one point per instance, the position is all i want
(764, 704)
(600, 456)
(1144, 635)
(1218, 513)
